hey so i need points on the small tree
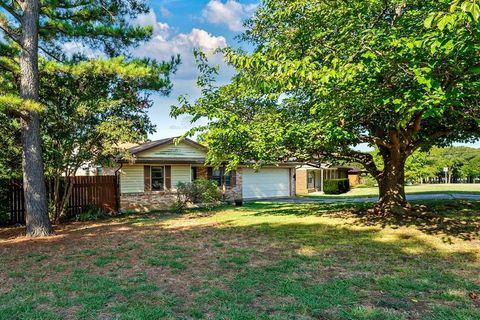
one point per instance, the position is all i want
(92, 108)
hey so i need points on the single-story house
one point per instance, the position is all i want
(310, 178)
(356, 176)
(148, 180)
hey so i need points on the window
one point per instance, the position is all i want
(311, 176)
(228, 179)
(220, 177)
(158, 178)
(216, 176)
(194, 173)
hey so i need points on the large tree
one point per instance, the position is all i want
(325, 76)
(48, 25)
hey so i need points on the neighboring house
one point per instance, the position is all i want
(89, 169)
(148, 181)
(356, 177)
(310, 178)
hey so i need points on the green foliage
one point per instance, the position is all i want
(462, 162)
(336, 186)
(200, 191)
(10, 152)
(325, 76)
(92, 214)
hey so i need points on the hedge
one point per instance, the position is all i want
(336, 186)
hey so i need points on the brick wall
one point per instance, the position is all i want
(293, 182)
(301, 182)
(160, 200)
(147, 201)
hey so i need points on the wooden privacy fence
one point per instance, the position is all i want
(87, 193)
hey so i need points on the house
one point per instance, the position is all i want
(310, 178)
(356, 176)
(148, 180)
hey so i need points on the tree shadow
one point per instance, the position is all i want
(451, 218)
(281, 268)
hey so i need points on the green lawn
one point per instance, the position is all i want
(261, 261)
(418, 189)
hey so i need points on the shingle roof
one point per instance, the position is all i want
(157, 143)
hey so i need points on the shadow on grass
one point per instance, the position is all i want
(450, 218)
(261, 267)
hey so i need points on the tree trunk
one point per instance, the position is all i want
(36, 211)
(391, 182)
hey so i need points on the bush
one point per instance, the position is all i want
(92, 214)
(336, 186)
(200, 191)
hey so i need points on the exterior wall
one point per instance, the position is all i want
(182, 150)
(180, 173)
(301, 181)
(147, 201)
(354, 179)
(131, 179)
(233, 193)
(293, 182)
(202, 172)
(133, 197)
(140, 201)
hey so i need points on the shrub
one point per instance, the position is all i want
(336, 186)
(200, 191)
(92, 214)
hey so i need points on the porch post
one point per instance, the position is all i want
(321, 180)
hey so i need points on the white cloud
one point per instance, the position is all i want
(231, 13)
(166, 42)
(165, 12)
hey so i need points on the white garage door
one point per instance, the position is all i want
(266, 183)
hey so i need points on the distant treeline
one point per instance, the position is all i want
(463, 165)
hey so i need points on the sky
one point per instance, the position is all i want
(180, 26)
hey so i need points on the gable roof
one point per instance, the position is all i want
(166, 141)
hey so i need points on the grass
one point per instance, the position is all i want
(261, 261)
(417, 189)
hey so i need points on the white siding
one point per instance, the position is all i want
(131, 179)
(182, 150)
(180, 174)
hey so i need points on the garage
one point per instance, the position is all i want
(266, 183)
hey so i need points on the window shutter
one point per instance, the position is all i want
(233, 178)
(147, 179)
(168, 177)
(209, 173)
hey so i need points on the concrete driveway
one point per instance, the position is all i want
(411, 197)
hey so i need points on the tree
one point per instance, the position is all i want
(325, 76)
(47, 24)
(92, 108)
(471, 169)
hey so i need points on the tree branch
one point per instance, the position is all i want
(10, 10)
(375, 140)
(12, 34)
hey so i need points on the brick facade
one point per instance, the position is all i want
(147, 201)
(301, 182)
(160, 200)
(293, 182)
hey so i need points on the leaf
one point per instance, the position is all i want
(429, 21)
(475, 70)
